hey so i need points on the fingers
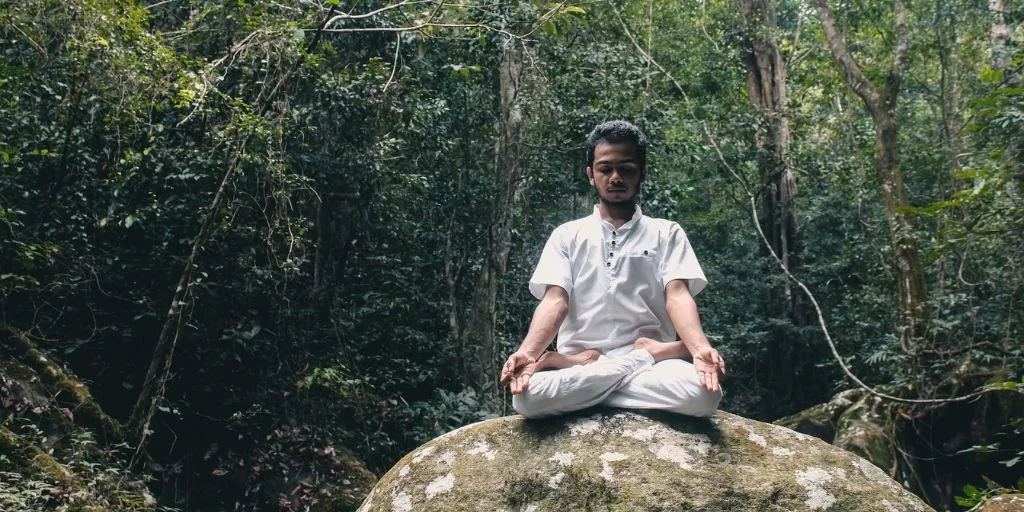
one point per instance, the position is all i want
(711, 382)
(519, 383)
(508, 371)
(516, 372)
(524, 381)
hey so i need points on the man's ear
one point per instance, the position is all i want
(590, 175)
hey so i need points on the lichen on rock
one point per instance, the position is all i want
(617, 460)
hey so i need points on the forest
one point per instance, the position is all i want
(253, 252)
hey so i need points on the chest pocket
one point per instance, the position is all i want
(640, 268)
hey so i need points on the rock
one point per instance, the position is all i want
(820, 421)
(355, 484)
(852, 420)
(617, 461)
(861, 430)
(1004, 503)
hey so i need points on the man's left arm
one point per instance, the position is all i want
(682, 310)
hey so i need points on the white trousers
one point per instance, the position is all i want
(632, 381)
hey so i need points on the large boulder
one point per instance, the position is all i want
(613, 460)
(1004, 503)
(820, 420)
(852, 420)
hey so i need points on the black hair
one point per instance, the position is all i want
(617, 132)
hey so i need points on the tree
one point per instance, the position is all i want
(766, 88)
(880, 101)
(478, 337)
(999, 34)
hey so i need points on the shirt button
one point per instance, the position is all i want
(645, 253)
(613, 242)
(611, 255)
(609, 263)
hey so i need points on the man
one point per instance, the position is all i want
(617, 287)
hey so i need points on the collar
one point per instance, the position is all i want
(637, 215)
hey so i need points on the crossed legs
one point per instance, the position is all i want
(631, 381)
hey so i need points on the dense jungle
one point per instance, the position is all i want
(254, 252)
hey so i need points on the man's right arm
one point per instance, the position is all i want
(546, 319)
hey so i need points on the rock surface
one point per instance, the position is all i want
(820, 420)
(1004, 503)
(852, 420)
(617, 461)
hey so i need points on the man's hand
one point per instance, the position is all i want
(710, 367)
(517, 372)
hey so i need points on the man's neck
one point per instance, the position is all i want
(616, 214)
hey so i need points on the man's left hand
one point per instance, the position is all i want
(710, 368)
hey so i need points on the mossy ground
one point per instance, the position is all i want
(49, 455)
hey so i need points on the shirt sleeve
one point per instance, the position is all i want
(554, 267)
(680, 262)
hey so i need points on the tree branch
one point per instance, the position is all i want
(837, 43)
(421, 26)
(366, 15)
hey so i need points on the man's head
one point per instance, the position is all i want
(616, 161)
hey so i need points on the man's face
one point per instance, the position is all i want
(616, 174)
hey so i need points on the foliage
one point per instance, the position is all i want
(325, 302)
(974, 497)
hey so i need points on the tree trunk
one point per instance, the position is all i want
(766, 88)
(999, 34)
(159, 371)
(480, 363)
(901, 229)
(882, 105)
(945, 37)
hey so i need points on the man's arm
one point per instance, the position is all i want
(546, 319)
(682, 310)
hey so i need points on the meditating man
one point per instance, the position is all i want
(616, 287)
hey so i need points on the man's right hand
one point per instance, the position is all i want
(517, 372)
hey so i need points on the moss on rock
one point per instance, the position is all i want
(820, 421)
(861, 429)
(29, 460)
(69, 392)
(1004, 503)
(350, 489)
(619, 461)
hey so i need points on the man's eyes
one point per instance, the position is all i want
(622, 170)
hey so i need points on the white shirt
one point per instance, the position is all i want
(615, 279)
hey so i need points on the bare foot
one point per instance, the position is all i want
(655, 347)
(557, 361)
